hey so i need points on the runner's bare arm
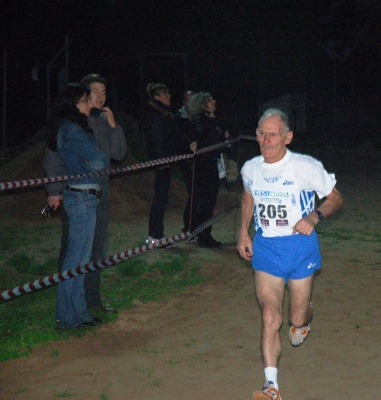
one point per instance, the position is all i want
(330, 205)
(245, 243)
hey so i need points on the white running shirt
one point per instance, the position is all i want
(284, 192)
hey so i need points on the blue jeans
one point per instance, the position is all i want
(99, 249)
(71, 308)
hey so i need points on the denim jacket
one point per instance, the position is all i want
(110, 141)
(78, 152)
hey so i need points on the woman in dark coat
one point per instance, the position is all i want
(205, 130)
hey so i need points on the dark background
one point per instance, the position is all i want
(244, 52)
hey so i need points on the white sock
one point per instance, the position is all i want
(271, 374)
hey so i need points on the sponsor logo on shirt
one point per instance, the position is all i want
(265, 222)
(268, 200)
(288, 183)
(281, 222)
(272, 180)
(270, 193)
(249, 183)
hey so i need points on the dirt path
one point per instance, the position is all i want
(204, 344)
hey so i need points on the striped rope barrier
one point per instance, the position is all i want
(134, 167)
(51, 280)
(147, 164)
(210, 221)
(248, 137)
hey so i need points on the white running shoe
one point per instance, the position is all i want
(298, 335)
(268, 392)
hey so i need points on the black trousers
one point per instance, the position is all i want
(159, 202)
(206, 184)
(186, 168)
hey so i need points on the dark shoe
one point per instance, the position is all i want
(97, 321)
(208, 243)
(86, 324)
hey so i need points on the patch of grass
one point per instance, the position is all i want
(104, 396)
(64, 394)
(371, 233)
(21, 262)
(337, 235)
(136, 280)
(148, 371)
(172, 362)
(136, 267)
(28, 320)
(29, 266)
(54, 353)
(48, 267)
(199, 357)
(10, 240)
(152, 351)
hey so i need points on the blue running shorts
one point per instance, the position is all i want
(289, 257)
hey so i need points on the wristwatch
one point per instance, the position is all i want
(320, 215)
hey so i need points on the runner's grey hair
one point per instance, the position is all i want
(270, 112)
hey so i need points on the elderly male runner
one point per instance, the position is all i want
(279, 189)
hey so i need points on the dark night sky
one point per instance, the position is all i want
(243, 52)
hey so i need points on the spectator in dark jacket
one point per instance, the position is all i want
(159, 131)
(184, 140)
(206, 131)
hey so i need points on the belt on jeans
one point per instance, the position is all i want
(95, 192)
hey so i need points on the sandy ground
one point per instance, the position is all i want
(204, 344)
